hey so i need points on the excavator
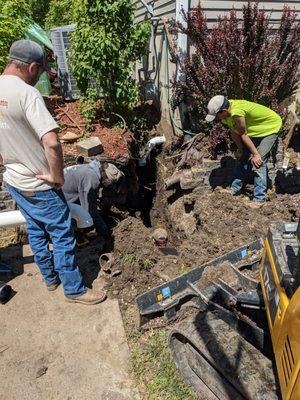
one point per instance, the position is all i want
(235, 331)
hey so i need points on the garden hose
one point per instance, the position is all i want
(168, 45)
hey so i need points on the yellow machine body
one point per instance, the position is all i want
(283, 313)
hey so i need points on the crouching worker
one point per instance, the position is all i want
(82, 185)
(254, 129)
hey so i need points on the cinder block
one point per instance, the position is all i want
(90, 147)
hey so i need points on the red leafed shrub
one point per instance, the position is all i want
(240, 59)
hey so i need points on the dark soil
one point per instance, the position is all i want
(135, 255)
(212, 274)
(227, 222)
(224, 223)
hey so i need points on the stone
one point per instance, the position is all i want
(90, 147)
(209, 164)
(187, 183)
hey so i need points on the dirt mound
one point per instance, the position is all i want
(226, 222)
(212, 274)
(223, 224)
(135, 254)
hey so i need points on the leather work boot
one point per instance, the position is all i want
(91, 297)
(53, 286)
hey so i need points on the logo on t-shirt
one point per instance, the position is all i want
(3, 105)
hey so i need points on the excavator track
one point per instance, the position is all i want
(220, 363)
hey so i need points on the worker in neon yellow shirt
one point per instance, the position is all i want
(254, 129)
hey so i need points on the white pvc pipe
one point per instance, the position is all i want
(157, 140)
(82, 217)
(11, 218)
(15, 218)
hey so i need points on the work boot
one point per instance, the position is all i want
(53, 286)
(91, 297)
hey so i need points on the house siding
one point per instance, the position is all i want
(213, 9)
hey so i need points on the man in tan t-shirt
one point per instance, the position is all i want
(33, 158)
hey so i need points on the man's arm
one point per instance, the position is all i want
(238, 141)
(240, 125)
(54, 156)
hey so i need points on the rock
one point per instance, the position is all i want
(187, 183)
(90, 147)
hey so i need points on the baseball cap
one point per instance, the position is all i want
(215, 104)
(113, 174)
(28, 52)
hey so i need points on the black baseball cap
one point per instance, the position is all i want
(28, 52)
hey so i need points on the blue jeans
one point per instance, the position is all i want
(264, 147)
(48, 217)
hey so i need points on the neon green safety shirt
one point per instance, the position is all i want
(261, 121)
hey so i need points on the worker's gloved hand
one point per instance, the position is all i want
(256, 160)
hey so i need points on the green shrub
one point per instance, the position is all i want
(39, 9)
(241, 59)
(12, 25)
(60, 13)
(104, 46)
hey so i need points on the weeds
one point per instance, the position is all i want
(129, 257)
(152, 364)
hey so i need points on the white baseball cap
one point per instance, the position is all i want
(215, 104)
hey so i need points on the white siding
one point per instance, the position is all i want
(215, 8)
(212, 9)
(162, 8)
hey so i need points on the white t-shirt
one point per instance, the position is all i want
(24, 119)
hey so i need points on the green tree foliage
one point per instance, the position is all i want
(39, 9)
(60, 13)
(104, 46)
(12, 25)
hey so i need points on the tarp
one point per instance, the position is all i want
(38, 35)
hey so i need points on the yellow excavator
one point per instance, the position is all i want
(242, 340)
(280, 284)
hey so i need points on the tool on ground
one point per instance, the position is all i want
(5, 292)
(106, 263)
(242, 339)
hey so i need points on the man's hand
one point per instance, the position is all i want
(256, 160)
(57, 182)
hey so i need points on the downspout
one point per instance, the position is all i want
(182, 43)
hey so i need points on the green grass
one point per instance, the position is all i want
(129, 257)
(152, 364)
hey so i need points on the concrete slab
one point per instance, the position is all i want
(53, 350)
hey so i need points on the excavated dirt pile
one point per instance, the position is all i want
(223, 223)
